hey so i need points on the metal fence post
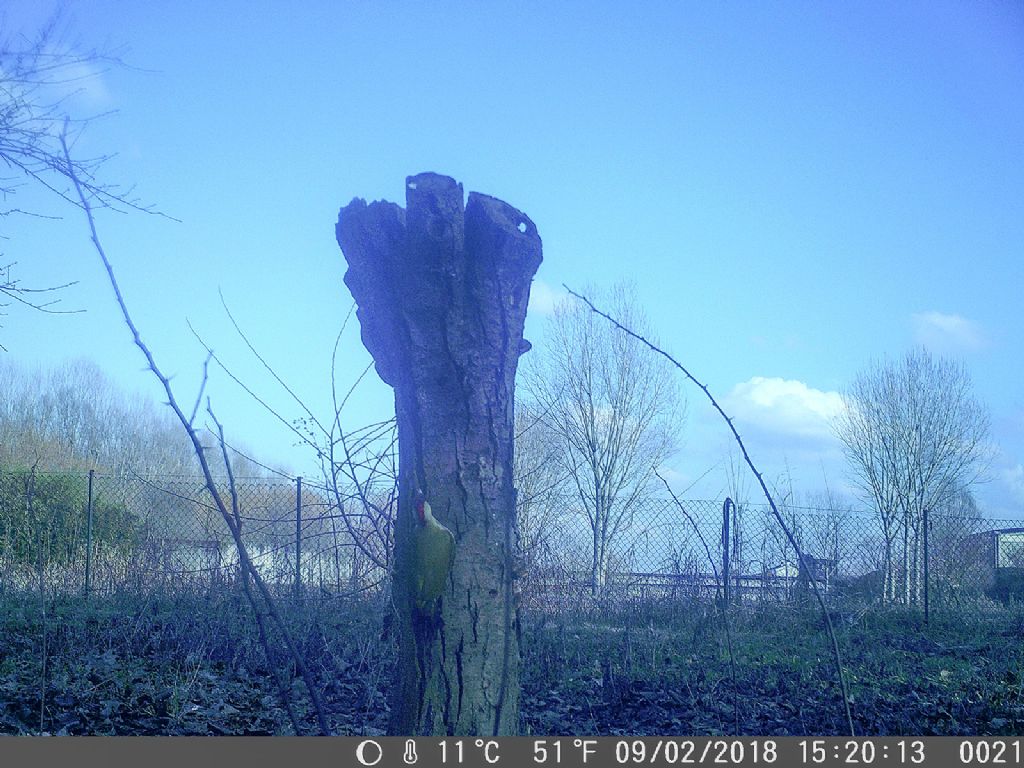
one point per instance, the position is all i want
(725, 548)
(926, 526)
(298, 538)
(88, 535)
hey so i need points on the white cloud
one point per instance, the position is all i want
(84, 80)
(78, 77)
(544, 298)
(947, 333)
(784, 407)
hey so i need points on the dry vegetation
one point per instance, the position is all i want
(193, 665)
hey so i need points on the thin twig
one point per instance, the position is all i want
(202, 387)
(267, 366)
(248, 390)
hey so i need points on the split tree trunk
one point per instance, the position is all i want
(442, 293)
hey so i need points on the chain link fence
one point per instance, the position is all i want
(709, 550)
(86, 533)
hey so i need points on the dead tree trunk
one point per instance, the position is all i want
(442, 294)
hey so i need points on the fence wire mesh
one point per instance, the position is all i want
(74, 533)
(706, 550)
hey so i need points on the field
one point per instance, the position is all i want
(193, 664)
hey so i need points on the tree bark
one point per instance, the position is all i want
(442, 293)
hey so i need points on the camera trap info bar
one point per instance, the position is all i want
(517, 752)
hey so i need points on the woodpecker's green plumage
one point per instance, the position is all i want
(433, 554)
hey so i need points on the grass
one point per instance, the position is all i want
(188, 665)
(192, 664)
(654, 672)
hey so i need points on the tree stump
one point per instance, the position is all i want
(442, 292)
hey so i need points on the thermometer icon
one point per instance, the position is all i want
(410, 756)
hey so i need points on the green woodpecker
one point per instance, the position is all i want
(433, 554)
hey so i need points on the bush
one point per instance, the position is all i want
(43, 517)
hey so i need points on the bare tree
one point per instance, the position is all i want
(827, 525)
(538, 477)
(914, 436)
(959, 571)
(74, 417)
(616, 412)
(39, 78)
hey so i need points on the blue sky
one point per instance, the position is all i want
(794, 189)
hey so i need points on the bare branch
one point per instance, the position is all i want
(230, 517)
(760, 479)
(249, 391)
(38, 77)
(265, 364)
(202, 388)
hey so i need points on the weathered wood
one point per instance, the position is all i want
(442, 293)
